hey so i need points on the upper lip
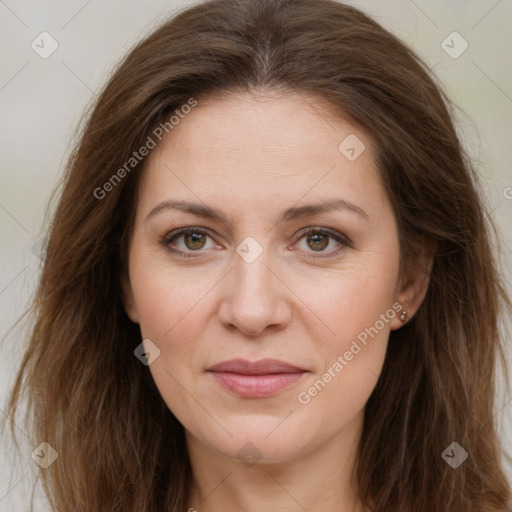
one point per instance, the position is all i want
(261, 367)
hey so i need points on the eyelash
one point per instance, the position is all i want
(169, 237)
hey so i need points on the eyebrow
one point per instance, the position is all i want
(293, 213)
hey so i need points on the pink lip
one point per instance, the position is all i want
(255, 379)
(261, 367)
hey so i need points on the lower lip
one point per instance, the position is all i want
(256, 386)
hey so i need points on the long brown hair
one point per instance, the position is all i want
(120, 448)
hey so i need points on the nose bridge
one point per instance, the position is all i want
(254, 298)
(253, 279)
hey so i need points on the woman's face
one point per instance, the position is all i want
(256, 285)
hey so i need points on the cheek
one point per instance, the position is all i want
(349, 300)
(357, 317)
(356, 309)
(351, 359)
(168, 300)
(171, 307)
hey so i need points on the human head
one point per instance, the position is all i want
(317, 48)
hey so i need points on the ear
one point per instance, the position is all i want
(415, 279)
(129, 300)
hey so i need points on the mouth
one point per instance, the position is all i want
(256, 379)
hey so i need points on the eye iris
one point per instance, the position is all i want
(316, 239)
(195, 238)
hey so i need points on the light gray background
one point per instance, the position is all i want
(41, 101)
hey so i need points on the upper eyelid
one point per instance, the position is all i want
(180, 231)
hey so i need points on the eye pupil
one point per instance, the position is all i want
(195, 237)
(316, 238)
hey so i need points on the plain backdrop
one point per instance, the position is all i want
(42, 100)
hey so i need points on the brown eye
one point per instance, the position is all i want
(194, 240)
(317, 241)
(186, 241)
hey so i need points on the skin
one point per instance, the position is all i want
(251, 157)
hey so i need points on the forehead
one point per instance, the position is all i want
(274, 147)
(268, 125)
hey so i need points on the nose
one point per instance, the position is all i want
(255, 298)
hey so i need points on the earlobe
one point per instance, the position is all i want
(129, 300)
(414, 283)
